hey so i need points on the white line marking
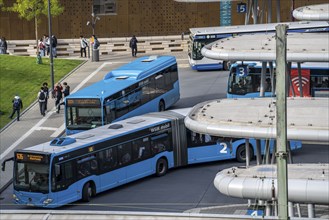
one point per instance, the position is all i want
(46, 128)
(29, 132)
(37, 125)
(58, 131)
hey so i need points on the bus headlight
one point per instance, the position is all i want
(15, 197)
(47, 201)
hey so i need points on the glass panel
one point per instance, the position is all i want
(32, 177)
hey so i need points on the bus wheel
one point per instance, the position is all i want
(241, 153)
(161, 167)
(162, 106)
(87, 192)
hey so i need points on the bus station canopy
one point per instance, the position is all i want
(312, 13)
(301, 47)
(307, 118)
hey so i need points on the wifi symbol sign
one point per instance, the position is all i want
(295, 81)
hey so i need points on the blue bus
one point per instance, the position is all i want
(199, 37)
(244, 80)
(79, 166)
(145, 85)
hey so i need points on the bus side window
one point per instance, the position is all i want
(160, 143)
(108, 159)
(63, 176)
(140, 149)
(124, 153)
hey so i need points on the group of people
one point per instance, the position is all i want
(58, 93)
(84, 44)
(95, 45)
(44, 45)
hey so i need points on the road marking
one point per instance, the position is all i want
(58, 131)
(21, 139)
(46, 128)
(37, 125)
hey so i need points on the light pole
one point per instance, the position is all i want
(94, 19)
(51, 48)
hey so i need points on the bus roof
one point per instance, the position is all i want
(262, 47)
(307, 118)
(124, 76)
(258, 27)
(106, 133)
(312, 12)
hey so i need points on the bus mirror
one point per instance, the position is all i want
(3, 165)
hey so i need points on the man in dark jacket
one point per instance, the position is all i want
(17, 106)
(66, 93)
(133, 45)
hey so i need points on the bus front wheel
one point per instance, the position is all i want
(162, 106)
(161, 167)
(241, 153)
(87, 192)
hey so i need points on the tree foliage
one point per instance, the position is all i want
(34, 9)
(31, 9)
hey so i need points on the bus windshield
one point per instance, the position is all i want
(239, 84)
(31, 177)
(83, 117)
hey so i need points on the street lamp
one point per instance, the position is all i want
(94, 19)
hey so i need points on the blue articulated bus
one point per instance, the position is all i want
(145, 85)
(79, 166)
(244, 80)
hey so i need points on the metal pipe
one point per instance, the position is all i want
(291, 209)
(300, 80)
(310, 210)
(258, 152)
(247, 153)
(262, 80)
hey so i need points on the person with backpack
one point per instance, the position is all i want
(133, 45)
(17, 106)
(42, 101)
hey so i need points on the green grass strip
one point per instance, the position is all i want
(22, 76)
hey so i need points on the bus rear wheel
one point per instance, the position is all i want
(87, 192)
(241, 153)
(162, 106)
(161, 167)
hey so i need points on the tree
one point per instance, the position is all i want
(34, 9)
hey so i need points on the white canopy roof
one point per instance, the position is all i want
(312, 13)
(301, 47)
(307, 118)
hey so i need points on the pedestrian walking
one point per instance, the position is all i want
(46, 90)
(3, 45)
(42, 101)
(83, 46)
(66, 93)
(17, 106)
(133, 45)
(58, 95)
(54, 45)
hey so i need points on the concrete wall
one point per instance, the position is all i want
(71, 47)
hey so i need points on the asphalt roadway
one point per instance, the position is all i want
(188, 189)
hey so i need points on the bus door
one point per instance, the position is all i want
(179, 142)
